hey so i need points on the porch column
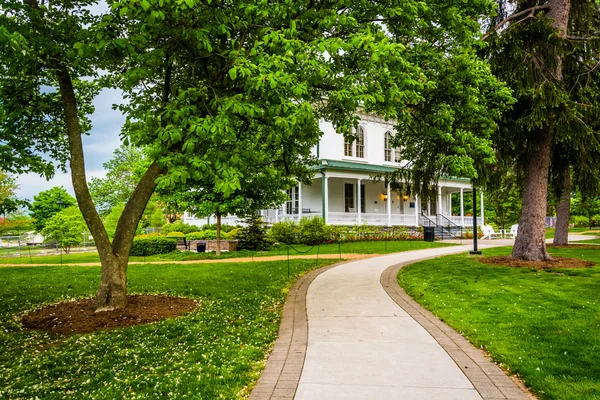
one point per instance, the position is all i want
(462, 207)
(389, 205)
(358, 202)
(325, 197)
(416, 210)
(481, 200)
(277, 215)
(299, 201)
(449, 195)
(439, 202)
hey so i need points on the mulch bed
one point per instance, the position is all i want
(72, 317)
(556, 262)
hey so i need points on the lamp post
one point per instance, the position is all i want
(60, 204)
(475, 251)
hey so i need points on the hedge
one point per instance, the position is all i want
(153, 245)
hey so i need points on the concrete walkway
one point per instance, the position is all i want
(363, 345)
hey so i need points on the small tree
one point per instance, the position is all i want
(46, 204)
(254, 235)
(66, 227)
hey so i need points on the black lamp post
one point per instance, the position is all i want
(475, 251)
(60, 204)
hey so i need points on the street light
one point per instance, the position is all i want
(60, 204)
(475, 251)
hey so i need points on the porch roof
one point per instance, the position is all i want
(364, 167)
(347, 165)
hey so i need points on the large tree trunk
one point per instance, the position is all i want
(530, 243)
(112, 293)
(563, 210)
(531, 239)
(113, 257)
(218, 251)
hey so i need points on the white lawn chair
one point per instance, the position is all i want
(488, 233)
(513, 230)
(510, 234)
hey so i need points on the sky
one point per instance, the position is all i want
(98, 147)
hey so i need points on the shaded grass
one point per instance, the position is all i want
(214, 352)
(581, 231)
(374, 247)
(543, 325)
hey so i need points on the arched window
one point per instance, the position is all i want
(388, 147)
(357, 147)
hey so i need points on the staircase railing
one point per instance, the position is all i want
(426, 221)
(447, 223)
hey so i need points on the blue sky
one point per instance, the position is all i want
(98, 147)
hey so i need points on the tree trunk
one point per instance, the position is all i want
(218, 252)
(530, 243)
(563, 210)
(113, 287)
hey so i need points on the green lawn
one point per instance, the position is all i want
(543, 325)
(214, 352)
(581, 231)
(375, 247)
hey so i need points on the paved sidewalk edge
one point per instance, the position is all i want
(489, 380)
(279, 380)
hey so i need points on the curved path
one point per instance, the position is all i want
(361, 344)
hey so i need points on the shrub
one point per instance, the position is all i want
(176, 234)
(213, 227)
(254, 236)
(285, 232)
(234, 234)
(179, 226)
(313, 231)
(199, 235)
(149, 235)
(153, 245)
(579, 221)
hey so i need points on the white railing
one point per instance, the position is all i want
(404, 219)
(342, 218)
(468, 220)
(374, 219)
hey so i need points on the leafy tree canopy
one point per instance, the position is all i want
(67, 227)
(46, 204)
(123, 174)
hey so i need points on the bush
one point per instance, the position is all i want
(213, 227)
(153, 245)
(234, 234)
(199, 235)
(179, 226)
(285, 232)
(313, 231)
(579, 221)
(254, 236)
(149, 235)
(176, 234)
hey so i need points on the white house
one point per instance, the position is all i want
(344, 190)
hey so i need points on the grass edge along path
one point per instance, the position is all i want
(217, 351)
(280, 252)
(541, 325)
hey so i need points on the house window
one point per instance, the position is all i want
(388, 146)
(349, 197)
(391, 154)
(291, 206)
(347, 147)
(360, 143)
(357, 147)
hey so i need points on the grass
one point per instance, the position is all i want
(214, 352)
(374, 247)
(581, 231)
(543, 325)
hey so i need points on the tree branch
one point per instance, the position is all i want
(530, 10)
